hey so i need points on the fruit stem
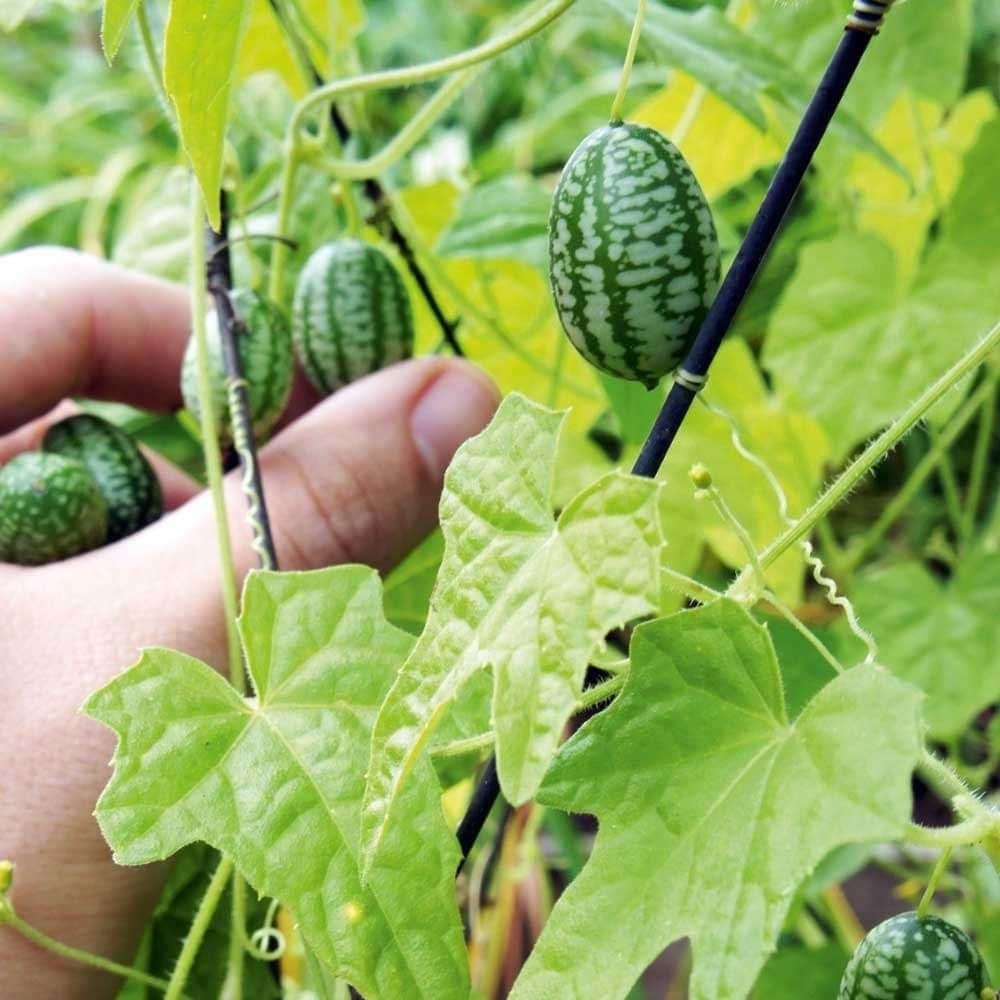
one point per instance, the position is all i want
(932, 883)
(633, 45)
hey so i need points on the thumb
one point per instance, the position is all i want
(357, 479)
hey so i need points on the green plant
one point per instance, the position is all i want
(750, 661)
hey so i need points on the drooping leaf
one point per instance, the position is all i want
(115, 20)
(943, 638)
(199, 59)
(276, 781)
(713, 807)
(520, 593)
(506, 218)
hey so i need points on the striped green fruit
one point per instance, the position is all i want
(911, 958)
(50, 509)
(123, 475)
(265, 348)
(633, 252)
(351, 315)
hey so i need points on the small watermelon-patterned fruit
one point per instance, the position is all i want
(633, 252)
(265, 348)
(911, 958)
(122, 473)
(351, 315)
(50, 509)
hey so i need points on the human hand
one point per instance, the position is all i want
(355, 478)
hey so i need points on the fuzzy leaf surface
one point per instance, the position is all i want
(521, 593)
(943, 638)
(276, 781)
(201, 48)
(713, 807)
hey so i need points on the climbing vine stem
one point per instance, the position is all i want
(404, 77)
(633, 45)
(880, 447)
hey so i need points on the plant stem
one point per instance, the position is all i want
(858, 550)
(210, 436)
(941, 777)
(880, 447)
(196, 933)
(233, 986)
(219, 281)
(407, 137)
(41, 939)
(964, 834)
(939, 869)
(633, 45)
(980, 455)
(404, 77)
(845, 922)
(949, 486)
(803, 630)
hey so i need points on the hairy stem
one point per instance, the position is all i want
(199, 926)
(949, 487)
(859, 549)
(9, 917)
(880, 447)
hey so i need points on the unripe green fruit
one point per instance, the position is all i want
(50, 509)
(122, 474)
(633, 252)
(911, 958)
(351, 315)
(265, 349)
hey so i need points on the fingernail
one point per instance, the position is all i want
(456, 405)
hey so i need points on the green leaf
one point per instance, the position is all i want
(117, 14)
(275, 781)
(713, 807)
(408, 587)
(796, 972)
(945, 638)
(519, 593)
(506, 218)
(734, 65)
(855, 348)
(199, 59)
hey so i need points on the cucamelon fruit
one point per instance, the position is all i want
(351, 315)
(122, 474)
(633, 252)
(50, 509)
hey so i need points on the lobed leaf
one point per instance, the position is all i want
(521, 594)
(713, 807)
(114, 22)
(276, 781)
(943, 638)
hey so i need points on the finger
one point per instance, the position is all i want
(178, 487)
(73, 325)
(357, 479)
